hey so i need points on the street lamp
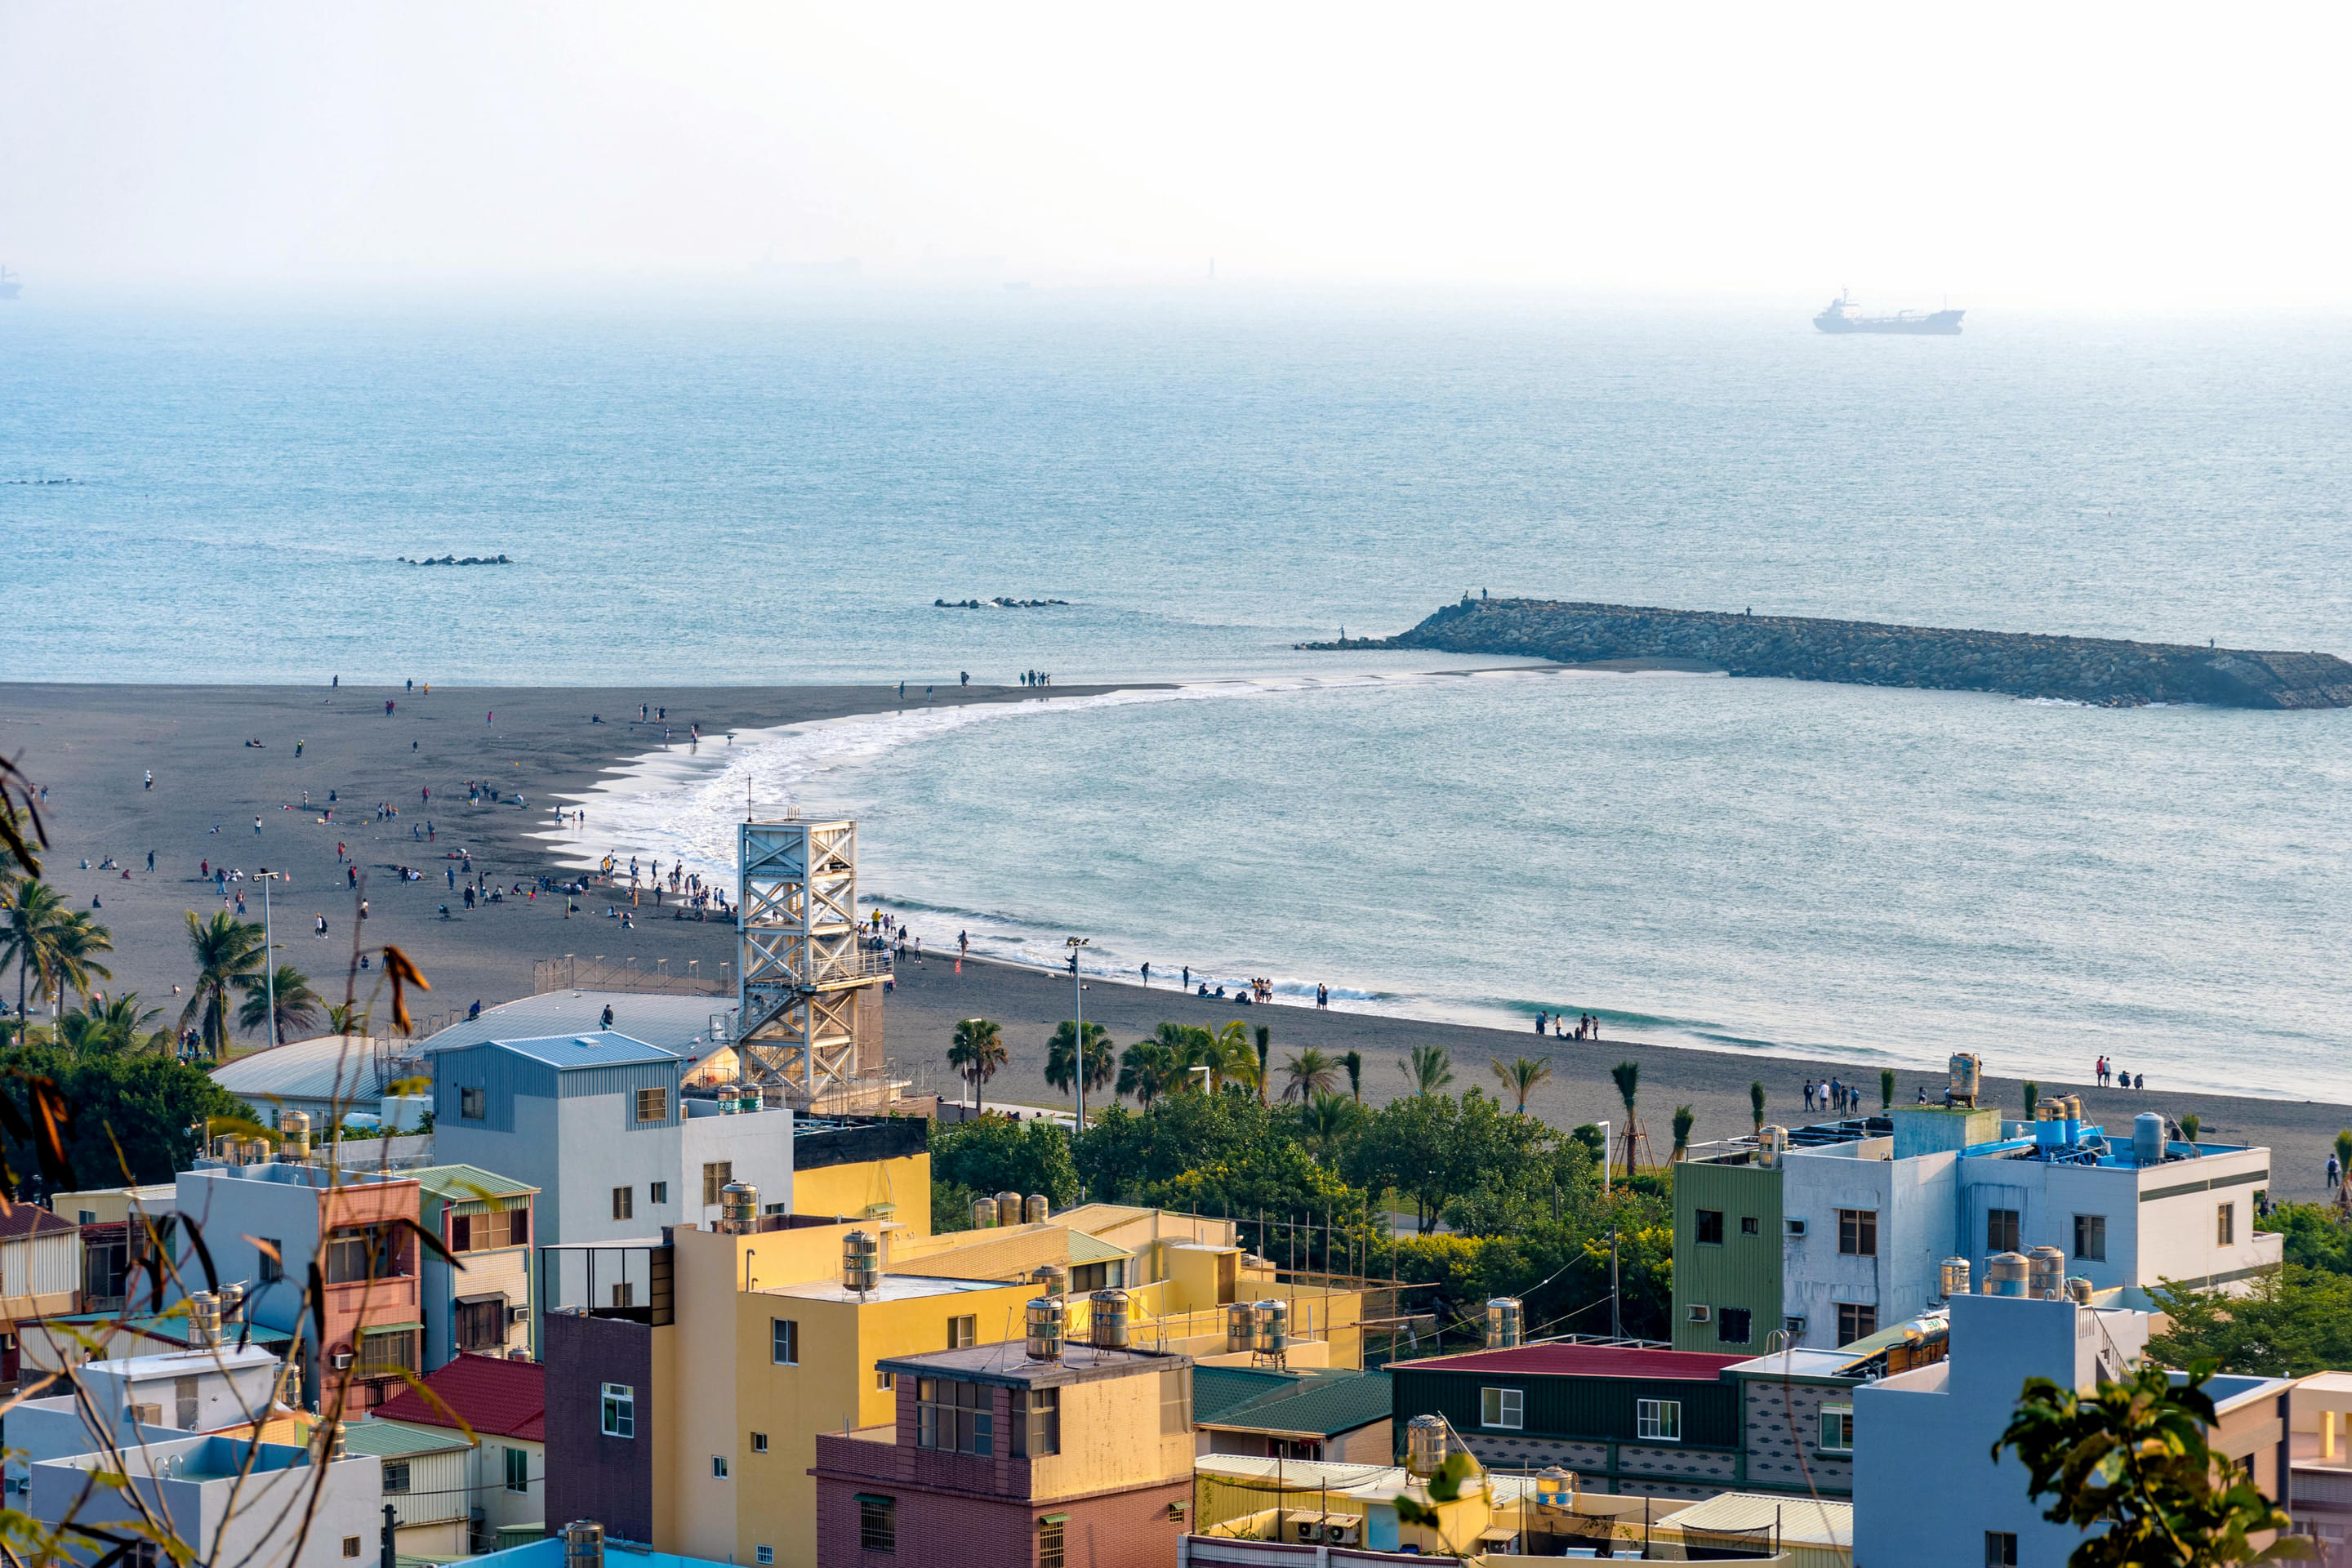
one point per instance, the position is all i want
(1078, 997)
(269, 952)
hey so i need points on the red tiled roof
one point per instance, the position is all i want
(498, 1398)
(1585, 1360)
(29, 1219)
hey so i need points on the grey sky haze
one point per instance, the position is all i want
(2037, 155)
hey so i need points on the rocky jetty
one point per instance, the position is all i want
(458, 561)
(2100, 671)
(998, 603)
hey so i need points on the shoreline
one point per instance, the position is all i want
(93, 744)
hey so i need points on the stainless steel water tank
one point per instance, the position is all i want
(1008, 1209)
(983, 1214)
(1954, 1278)
(1506, 1322)
(861, 1262)
(1966, 1074)
(1273, 1326)
(1241, 1326)
(1048, 1277)
(1047, 1319)
(2045, 1273)
(1774, 1142)
(2006, 1274)
(738, 1208)
(2147, 1138)
(2078, 1291)
(584, 1544)
(1108, 1324)
(203, 1319)
(1036, 1209)
(294, 1134)
(232, 1300)
(1424, 1445)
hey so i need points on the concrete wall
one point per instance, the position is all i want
(2155, 1231)
(1914, 1200)
(1784, 1437)
(855, 1188)
(591, 1476)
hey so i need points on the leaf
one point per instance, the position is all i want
(404, 973)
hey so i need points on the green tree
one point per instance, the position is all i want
(2190, 1125)
(1755, 1102)
(976, 1051)
(2344, 1158)
(1062, 1057)
(105, 1028)
(35, 938)
(1327, 1124)
(1429, 1070)
(1354, 1062)
(1627, 1076)
(1311, 1074)
(1265, 1059)
(227, 952)
(2318, 1236)
(1886, 1088)
(1148, 1069)
(2132, 1461)
(287, 995)
(997, 1154)
(1520, 1079)
(2032, 1098)
(1684, 1120)
(2291, 1323)
(1229, 1057)
(1126, 1153)
(1432, 1148)
(137, 1118)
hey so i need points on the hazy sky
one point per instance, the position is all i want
(2031, 154)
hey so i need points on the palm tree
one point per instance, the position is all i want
(976, 1051)
(1265, 1051)
(1521, 1076)
(107, 1028)
(1229, 1054)
(227, 951)
(1431, 1068)
(288, 994)
(1311, 1074)
(37, 923)
(76, 967)
(345, 1018)
(1628, 1077)
(1684, 1120)
(1147, 1070)
(1755, 1102)
(1354, 1062)
(1062, 1057)
(1325, 1124)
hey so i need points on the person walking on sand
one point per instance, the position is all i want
(257, 825)
(151, 775)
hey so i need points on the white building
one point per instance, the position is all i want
(230, 1499)
(147, 1399)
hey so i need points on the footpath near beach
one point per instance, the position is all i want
(92, 746)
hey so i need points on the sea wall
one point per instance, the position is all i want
(2101, 670)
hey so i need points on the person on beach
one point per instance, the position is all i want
(1146, 972)
(1540, 1021)
(1188, 977)
(1322, 995)
(151, 862)
(257, 825)
(151, 772)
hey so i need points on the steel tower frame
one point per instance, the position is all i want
(801, 961)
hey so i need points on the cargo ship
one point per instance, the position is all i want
(1839, 316)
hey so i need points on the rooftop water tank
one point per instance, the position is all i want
(337, 1443)
(1036, 1210)
(1505, 1323)
(861, 1262)
(1773, 1142)
(2147, 1138)
(1953, 1279)
(2005, 1274)
(232, 1300)
(983, 1214)
(1966, 1078)
(584, 1544)
(738, 1208)
(2073, 1107)
(1046, 1318)
(1556, 1486)
(1008, 1209)
(1109, 1320)
(2045, 1273)
(2078, 1291)
(294, 1134)
(204, 1321)
(1047, 1278)
(1241, 1326)
(1273, 1326)
(1424, 1445)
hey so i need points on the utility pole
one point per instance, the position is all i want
(268, 954)
(1078, 1024)
(1616, 1321)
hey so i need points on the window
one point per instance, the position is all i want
(620, 1410)
(1506, 1408)
(1036, 1423)
(1792, 1227)
(624, 1203)
(877, 1523)
(1857, 1233)
(954, 1416)
(1175, 1401)
(479, 1322)
(1734, 1325)
(489, 1232)
(87, 1217)
(625, 1295)
(472, 1104)
(1049, 1540)
(758, 1442)
(1090, 1277)
(2000, 1545)
(517, 1470)
(364, 1252)
(1837, 1428)
(718, 1467)
(388, 1352)
(1658, 1420)
(1707, 1226)
(658, 1194)
(183, 1402)
(653, 1105)
(1699, 1314)
(2001, 1230)
(272, 1253)
(351, 1546)
(783, 1341)
(2091, 1237)
(885, 1380)
(2225, 1226)
(714, 1176)
(765, 1553)
(1750, 1226)
(395, 1475)
(1856, 1322)
(962, 1332)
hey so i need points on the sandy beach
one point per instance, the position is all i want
(92, 747)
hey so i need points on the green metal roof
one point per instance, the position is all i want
(464, 1184)
(397, 1439)
(1325, 1404)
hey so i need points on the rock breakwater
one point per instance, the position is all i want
(2106, 671)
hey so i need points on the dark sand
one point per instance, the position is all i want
(91, 745)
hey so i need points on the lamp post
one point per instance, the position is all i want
(1078, 1024)
(269, 958)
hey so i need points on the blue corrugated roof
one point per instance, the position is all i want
(596, 1048)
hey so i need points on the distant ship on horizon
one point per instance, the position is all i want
(11, 285)
(1839, 316)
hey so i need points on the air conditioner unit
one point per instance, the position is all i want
(342, 1360)
(518, 1315)
(1794, 1226)
(1702, 1314)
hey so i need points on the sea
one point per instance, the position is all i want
(723, 485)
